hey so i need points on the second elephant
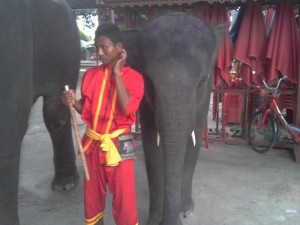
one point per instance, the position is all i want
(176, 54)
(39, 54)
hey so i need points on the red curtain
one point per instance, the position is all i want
(202, 11)
(251, 43)
(282, 50)
(219, 15)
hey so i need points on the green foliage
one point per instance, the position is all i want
(87, 14)
(84, 37)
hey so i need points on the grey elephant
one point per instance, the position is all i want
(176, 55)
(39, 54)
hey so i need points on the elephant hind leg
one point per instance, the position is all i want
(57, 121)
(65, 184)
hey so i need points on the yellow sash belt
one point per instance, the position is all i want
(112, 155)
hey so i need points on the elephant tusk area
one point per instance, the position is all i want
(194, 138)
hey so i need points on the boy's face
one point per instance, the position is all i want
(108, 52)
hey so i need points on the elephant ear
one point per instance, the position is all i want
(218, 34)
(132, 45)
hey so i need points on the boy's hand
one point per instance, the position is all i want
(120, 62)
(68, 97)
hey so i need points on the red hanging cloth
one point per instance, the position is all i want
(202, 11)
(219, 15)
(251, 43)
(282, 50)
(269, 17)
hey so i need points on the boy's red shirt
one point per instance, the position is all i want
(110, 116)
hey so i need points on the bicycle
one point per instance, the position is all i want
(264, 123)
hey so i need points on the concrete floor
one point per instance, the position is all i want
(233, 185)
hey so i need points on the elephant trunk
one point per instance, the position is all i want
(174, 132)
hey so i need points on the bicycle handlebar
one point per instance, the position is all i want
(275, 89)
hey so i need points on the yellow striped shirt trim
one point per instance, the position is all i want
(87, 145)
(111, 117)
(100, 99)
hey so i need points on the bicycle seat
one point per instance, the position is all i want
(294, 129)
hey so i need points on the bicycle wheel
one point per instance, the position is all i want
(261, 136)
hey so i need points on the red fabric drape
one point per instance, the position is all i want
(282, 50)
(219, 15)
(202, 11)
(130, 21)
(268, 18)
(251, 43)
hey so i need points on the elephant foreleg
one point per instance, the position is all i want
(9, 174)
(190, 161)
(13, 129)
(192, 153)
(57, 121)
(155, 171)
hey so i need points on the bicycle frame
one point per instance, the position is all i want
(273, 109)
(263, 129)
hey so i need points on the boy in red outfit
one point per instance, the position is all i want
(111, 94)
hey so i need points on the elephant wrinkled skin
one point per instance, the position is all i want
(176, 55)
(39, 54)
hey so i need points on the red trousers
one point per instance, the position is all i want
(120, 181)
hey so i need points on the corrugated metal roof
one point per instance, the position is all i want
(83, 4)
(133, 3)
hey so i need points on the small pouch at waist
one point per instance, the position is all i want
(126, 146)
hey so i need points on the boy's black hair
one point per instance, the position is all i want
(110, 30)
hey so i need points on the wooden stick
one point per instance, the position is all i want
(78, 138)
